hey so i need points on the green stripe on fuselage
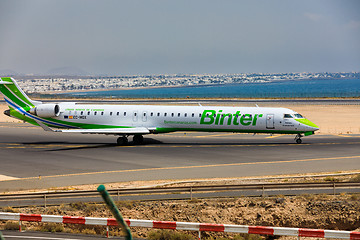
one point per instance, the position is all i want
(166, 130)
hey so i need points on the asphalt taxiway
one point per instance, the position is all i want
(32, 158)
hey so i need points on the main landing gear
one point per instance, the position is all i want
(298, 138)
(137, 140)
(121, 141)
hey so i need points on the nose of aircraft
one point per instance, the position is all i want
(308, 123)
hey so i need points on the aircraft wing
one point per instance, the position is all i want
(135, 130)
(111, 131)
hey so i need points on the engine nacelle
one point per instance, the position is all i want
(46, 110)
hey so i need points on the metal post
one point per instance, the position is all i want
(199, 235)
(19, 226)
(263, 191)
(334, 188)
(190, 193)
(45, 200)
(115, 211)
(107, 231)
(118, 195)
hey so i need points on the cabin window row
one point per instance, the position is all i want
(152, 114)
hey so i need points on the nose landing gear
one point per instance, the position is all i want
(298, 138)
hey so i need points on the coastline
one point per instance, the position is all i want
(272, 81)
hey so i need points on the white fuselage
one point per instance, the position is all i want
(186, 118)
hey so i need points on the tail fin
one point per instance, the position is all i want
(14, 95)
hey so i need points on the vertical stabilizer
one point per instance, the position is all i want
(14, 95)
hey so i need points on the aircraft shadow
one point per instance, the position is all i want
(66, 146)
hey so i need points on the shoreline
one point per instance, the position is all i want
(271, 81)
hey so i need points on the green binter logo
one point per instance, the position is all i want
(209, 117)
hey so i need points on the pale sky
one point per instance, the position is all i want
(116, 37)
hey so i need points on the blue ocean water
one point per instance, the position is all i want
(279, 89)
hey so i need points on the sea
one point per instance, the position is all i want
(309, 88)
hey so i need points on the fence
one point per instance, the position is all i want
(200, 227)
(189, 191)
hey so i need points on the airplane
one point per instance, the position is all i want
(138, 120)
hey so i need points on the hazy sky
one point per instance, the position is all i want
(185, 36)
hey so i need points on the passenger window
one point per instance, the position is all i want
(158, 114)
(287, 116)
(144, 114)
(178, 114)
(81, 113)
(89, 113)
(152, 114)
(102, 113)
(193, 114)
(165, 114)
(185, 114)
(172, 114)
(124, 114)
(135, 114)
(95, 113)
(110, 113)
(117, 113)
(199, 114)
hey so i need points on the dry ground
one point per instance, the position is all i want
(341, 212)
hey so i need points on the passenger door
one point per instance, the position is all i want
(270, 121)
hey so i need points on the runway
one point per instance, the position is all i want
(32, 158)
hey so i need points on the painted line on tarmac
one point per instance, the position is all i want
(53, 147)
(274, 136)
(216, 135)
(193, 167)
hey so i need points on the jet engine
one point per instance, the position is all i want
(46, 110)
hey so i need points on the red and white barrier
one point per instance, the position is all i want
(300, 232)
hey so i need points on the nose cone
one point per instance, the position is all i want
(312, 126)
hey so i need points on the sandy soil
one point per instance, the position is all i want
(332, 119)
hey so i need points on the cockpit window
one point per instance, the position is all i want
(287, 116)
(298, 115)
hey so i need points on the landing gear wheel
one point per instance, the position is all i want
(298, 138)
(138, 139)
(121, 141)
